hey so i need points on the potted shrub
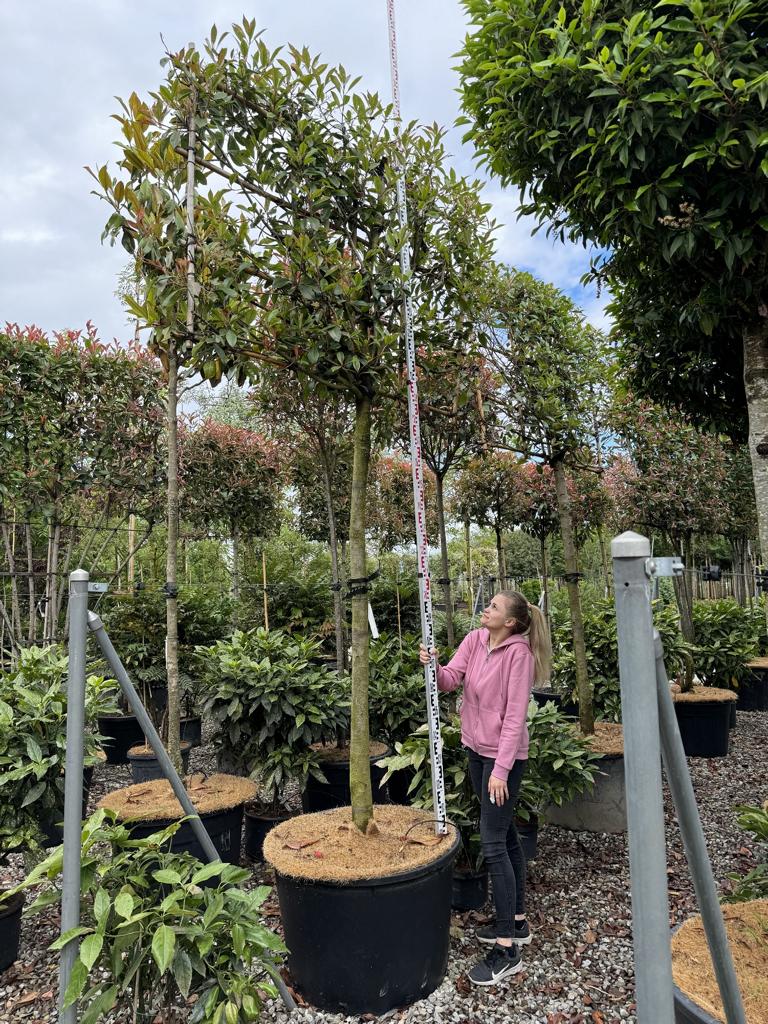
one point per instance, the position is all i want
(161, 932)
(561, 766)
(283, 767)
(470, 876)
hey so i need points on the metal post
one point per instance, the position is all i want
(73, 782)
(201, 833)
(679, 781)
(642, 767)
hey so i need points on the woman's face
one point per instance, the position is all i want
(496, 615)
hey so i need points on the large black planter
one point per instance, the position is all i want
(398, 784)
(145, 767)
(705, 727)
(224, 827)
(10, 930)
(470, 889)
(257, 824)
(688, 1012)
(529, 836)
(192, 730)
(322, 796)
(370, 945)
(562, 702)
(752, 694)
(120, 732)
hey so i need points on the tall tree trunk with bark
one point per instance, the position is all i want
(756, 390)
(684, 590)
(32, 632)
(333, 546)
(171, 565)
(544, 577)
(444, 560)
(359, 755)
(234, 531)
(570, 557)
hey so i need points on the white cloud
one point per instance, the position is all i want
(27, 236)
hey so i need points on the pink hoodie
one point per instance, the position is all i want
(494, 705)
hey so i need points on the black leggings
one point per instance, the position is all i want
(501, 844)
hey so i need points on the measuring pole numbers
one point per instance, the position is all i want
(417, 471)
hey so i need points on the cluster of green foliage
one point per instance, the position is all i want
(753, 885)
(396, 695)
(727, 636)
(154, 931)
(269, 702)
(33, 740)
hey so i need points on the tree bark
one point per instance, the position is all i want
(570, 557)
(235, 536)
(15, 615)
(333, 545)
(502, 569)
(544, 580)
(756, 391)
(32, 633)
(684, 591)
(470, 581)
(444, 560)
(604, 561)
(359, 754)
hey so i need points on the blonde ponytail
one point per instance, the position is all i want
(532, 622)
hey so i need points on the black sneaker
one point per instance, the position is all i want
(500, 963)
(488, 934)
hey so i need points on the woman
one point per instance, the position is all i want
(498, 664)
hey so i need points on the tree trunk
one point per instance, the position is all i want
(684, 591)
(544, 579)
(470, 581)
(333, 545)
(235, 536)
(15, 614)
(359, 763)
(32, 634)
(171, 565)
(502, 569)
(604, 560)
(756, 390)
(446, 582)
(570, 557)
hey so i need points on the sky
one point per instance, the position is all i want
(64, 63)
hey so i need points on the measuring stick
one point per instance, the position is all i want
(417, 470)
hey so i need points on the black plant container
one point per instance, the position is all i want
(257, 824)
(688, 1012)
(705, 727)
(120, 732)
(224, 827)
(470, 889)
(146, 767)
(398, 784)
(370, 945)
(10, 930)
(752, 694)
(192, 730)
(322, 796)
(563, 703)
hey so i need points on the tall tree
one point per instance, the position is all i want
(307, 278)
(644, 130)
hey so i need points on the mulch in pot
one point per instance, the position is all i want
(692, 970)
(704, 695)
(328, 846)
(330, 753)
(607, 739)
(155, 801)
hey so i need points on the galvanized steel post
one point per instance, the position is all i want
(642, 766)
(73, 782)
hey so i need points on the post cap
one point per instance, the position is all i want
(630, 545)
(79, 576)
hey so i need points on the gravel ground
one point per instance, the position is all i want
(579, 966)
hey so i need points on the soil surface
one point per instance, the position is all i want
(155, 801)
(145, 750)
(693, 973)
(328, 846)
(608, 739)
(704, 695)
(330, 753)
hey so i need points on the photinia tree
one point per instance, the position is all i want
(230, 480)
(303, 271)
(80, 438)
(390, 501)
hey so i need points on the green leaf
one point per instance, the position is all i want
(90, 949)
(167, 876)
(209, 871)
(124, 904)
(100, 1006)
(163, 946)
(32, 794)
(77, 980)
(101, 906)
(182, 971)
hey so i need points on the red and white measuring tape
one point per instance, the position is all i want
(417, 470)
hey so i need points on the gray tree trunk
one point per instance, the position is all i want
(756, 391)
(444, 561)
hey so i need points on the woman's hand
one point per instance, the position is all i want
(497, 790)
(424, 654)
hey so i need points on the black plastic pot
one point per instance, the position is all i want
(470, 889)
(529, 836)
(51, 828)
(224, 827)
(192, 730)
(146, 767)
(322, 796)
(752, 694)
(732, 717)
(704, 727)
(257, 824)
(120, 732)
(687, 1012)
(398, 784)
(562, 702)
(370, 945)
(10, 930)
